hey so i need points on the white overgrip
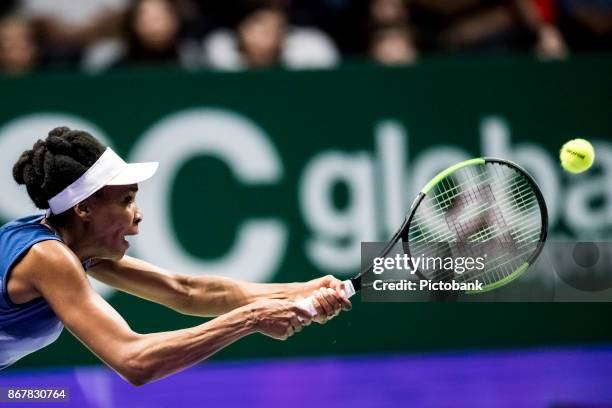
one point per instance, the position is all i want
(308, 304)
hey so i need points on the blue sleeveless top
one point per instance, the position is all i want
(30, 326)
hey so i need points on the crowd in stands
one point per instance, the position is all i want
(99, 35)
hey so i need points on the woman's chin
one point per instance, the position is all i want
(119, 250)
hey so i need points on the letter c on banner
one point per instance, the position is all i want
(260, 243)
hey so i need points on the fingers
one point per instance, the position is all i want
(296, 324)
(346, 304)
(338, 301)
(325, 302)
(282, 319)
(321, 316)
(335, 300)
(338, 286)
(302, 315)
(288, 333)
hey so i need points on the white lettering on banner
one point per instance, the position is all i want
(391, 147)
(260, 243)
(337, 233)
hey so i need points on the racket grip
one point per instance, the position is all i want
(307, 303)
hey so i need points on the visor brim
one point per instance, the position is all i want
(134, 173)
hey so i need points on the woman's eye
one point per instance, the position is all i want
(129, 199)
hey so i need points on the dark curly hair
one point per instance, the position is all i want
(55, 163)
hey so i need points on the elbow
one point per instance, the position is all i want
(137, 378)
(133, 361)
(136, 382)
(185, 294)
(136, 372)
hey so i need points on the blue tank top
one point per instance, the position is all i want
(30, 326)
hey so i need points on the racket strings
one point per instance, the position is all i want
(491, 275)
(484, 208)
(498, 265)
(492, 204)
(441, 232)
(438, 210)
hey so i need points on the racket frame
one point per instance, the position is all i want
(402, 232)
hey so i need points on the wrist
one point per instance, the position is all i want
(249, 315)
(296, 290)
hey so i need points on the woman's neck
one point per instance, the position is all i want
(74, 241)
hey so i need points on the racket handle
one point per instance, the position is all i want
(307, 303)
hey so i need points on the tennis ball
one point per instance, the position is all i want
(577, 155)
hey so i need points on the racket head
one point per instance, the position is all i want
(478, 204)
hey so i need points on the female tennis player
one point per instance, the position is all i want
(89, 193)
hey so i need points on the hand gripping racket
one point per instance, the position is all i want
(478, 201)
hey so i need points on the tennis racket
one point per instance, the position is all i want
(482, 201)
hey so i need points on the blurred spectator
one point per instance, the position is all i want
(67, 26)
(484, 25)
(18, 49)
(260, 36)
(392, 45)
(291, 33)
(152, 36)
(538, 17)
(152, 32)
(550, 43)
(384, 13)
(263, 38)
(587, 24)
(390, 39)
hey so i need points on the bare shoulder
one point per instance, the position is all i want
(50, 257)
(43, 260)
(56, 274)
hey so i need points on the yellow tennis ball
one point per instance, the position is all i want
(577, 155)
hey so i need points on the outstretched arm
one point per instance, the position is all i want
(55, 272)
(211, 295)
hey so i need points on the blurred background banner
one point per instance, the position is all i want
(278, 176)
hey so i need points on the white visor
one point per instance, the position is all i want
(108, 170)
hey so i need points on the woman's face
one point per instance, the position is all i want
(156, 23)
(17, 48)
(393, 47)
(114, 215)
(261, 35)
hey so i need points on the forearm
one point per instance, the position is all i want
(214, 296)
(157, 355)
(188, 294)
